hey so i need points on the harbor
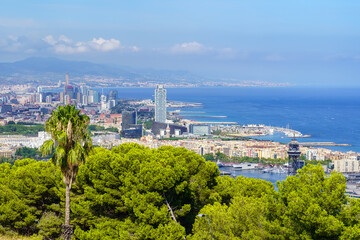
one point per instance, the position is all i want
(322, 144)
(256, 130)
(271, 176)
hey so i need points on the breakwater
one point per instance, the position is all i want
(321, 144)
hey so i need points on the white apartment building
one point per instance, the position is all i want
(347, 165)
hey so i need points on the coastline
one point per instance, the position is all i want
(258, 130)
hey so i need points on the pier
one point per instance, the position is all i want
(229, 123)
(200, 116)
(289, 132)
(317, 144)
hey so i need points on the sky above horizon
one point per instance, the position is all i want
(305, 43)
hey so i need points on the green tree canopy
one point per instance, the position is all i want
(29, 189)
(143, 193)
(310, 205)
(132, 192)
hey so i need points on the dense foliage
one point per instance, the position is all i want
(102, 129)
(26, 152)
(21, 129)
(131, 192)
(7, 160)
(224, 158)
(135, 191)
(310, 205)
(30, 191)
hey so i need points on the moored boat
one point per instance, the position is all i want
(246, 166)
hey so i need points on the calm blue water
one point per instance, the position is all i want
(328, 114)
(271, 177)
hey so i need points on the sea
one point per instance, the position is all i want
(327, 114)
(268, 176)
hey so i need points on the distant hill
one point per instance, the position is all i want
(49, 71)
(43, 67)
(54, 65)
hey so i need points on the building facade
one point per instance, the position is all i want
(128, 119)
(199, 129)
(160, 104)
(347, 165)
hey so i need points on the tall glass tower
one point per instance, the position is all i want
(160, 104)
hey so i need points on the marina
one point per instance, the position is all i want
(246, 166)
(270, 176)
(317, 144)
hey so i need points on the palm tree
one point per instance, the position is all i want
(71, 144)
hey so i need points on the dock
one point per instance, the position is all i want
(198, 122)
(201, 116)
(311, 144)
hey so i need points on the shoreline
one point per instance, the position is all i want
(260, 130)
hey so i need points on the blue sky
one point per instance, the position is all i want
(300, 42)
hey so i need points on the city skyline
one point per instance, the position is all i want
(303, 43)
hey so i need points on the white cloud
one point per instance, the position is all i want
(104, 45)
(189, 47)
(198, 48)
(64, 45)
(49, 40)
(65, 39)
(15, 44)
(135, 49)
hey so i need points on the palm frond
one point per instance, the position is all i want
(47, 148)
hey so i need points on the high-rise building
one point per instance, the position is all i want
(128, 119)
(112, 103)
(83, 90)
(78, 97)
(62, 97)
(160, 104)
(103, 102)
(69, 90)
(84, 100)
(129, 127)
(49, 99)
(113, 95)
(96, 96)
(90, 96)
(67, 99)
(39, 97)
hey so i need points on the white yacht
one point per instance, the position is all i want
(246, 166)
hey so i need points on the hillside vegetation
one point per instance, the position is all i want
(132, 192)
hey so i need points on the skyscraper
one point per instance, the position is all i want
(113, 95)
(128, 119)
(160, 104)
(129, 127)
(103, 102)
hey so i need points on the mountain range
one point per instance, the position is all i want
(45, 67)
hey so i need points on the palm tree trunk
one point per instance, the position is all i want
(67, 227)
